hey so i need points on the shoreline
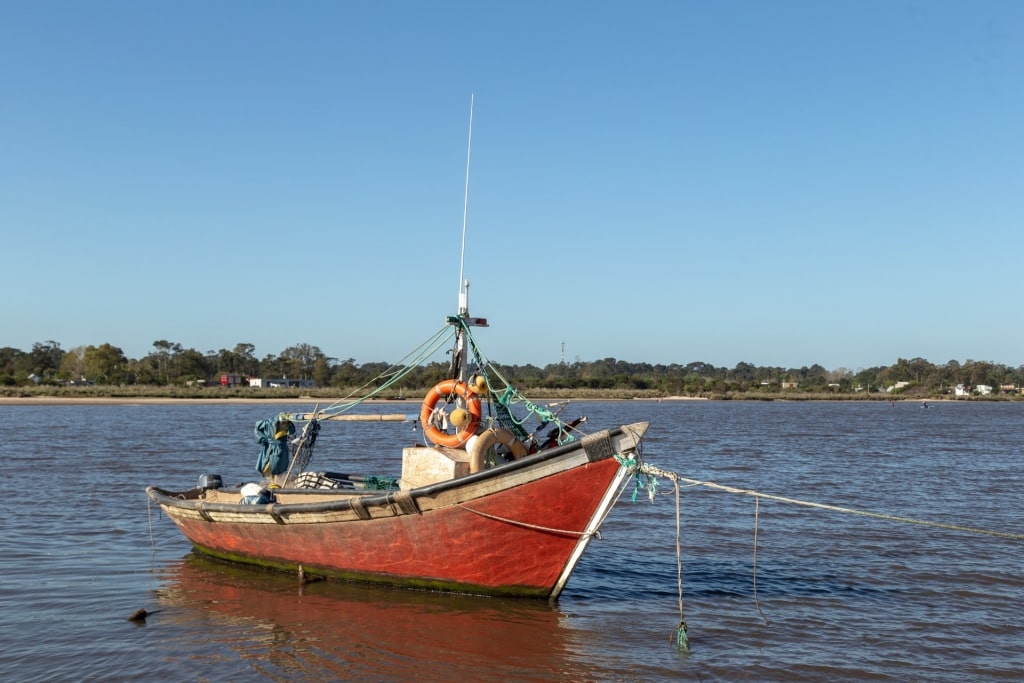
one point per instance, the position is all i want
(238, 400)
(167, 400)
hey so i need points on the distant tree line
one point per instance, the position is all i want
(170, 364)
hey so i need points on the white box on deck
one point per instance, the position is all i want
(422, 465)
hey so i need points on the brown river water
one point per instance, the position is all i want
(828, 596)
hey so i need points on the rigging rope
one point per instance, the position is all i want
(390, 376)
(510, 396)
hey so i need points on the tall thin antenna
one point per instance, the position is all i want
(463, 289)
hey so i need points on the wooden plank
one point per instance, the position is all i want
(387, 417)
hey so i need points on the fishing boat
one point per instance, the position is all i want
(502, 497)
(499, 496)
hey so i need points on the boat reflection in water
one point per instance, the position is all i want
(236, 620)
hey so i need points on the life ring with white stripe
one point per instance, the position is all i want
(447, 390)
(490, 438)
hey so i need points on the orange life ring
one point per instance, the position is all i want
(445, 390)
(491, 437)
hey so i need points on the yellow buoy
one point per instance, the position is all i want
(459, 417)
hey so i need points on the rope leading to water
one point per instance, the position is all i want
(647, 478)
(682, 642)
(757, 603)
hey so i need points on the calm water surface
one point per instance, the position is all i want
(841, 597)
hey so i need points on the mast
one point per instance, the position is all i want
(463, 284)
(461, 347)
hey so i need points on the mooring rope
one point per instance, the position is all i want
(681, 639)
(655, 471)
(632, 464)
(757, 603)
(149, 514)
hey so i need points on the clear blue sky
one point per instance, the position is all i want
(780, 183)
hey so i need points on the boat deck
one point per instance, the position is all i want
(285, 496)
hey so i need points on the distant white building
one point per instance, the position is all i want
(277, 382)
(964, 390)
